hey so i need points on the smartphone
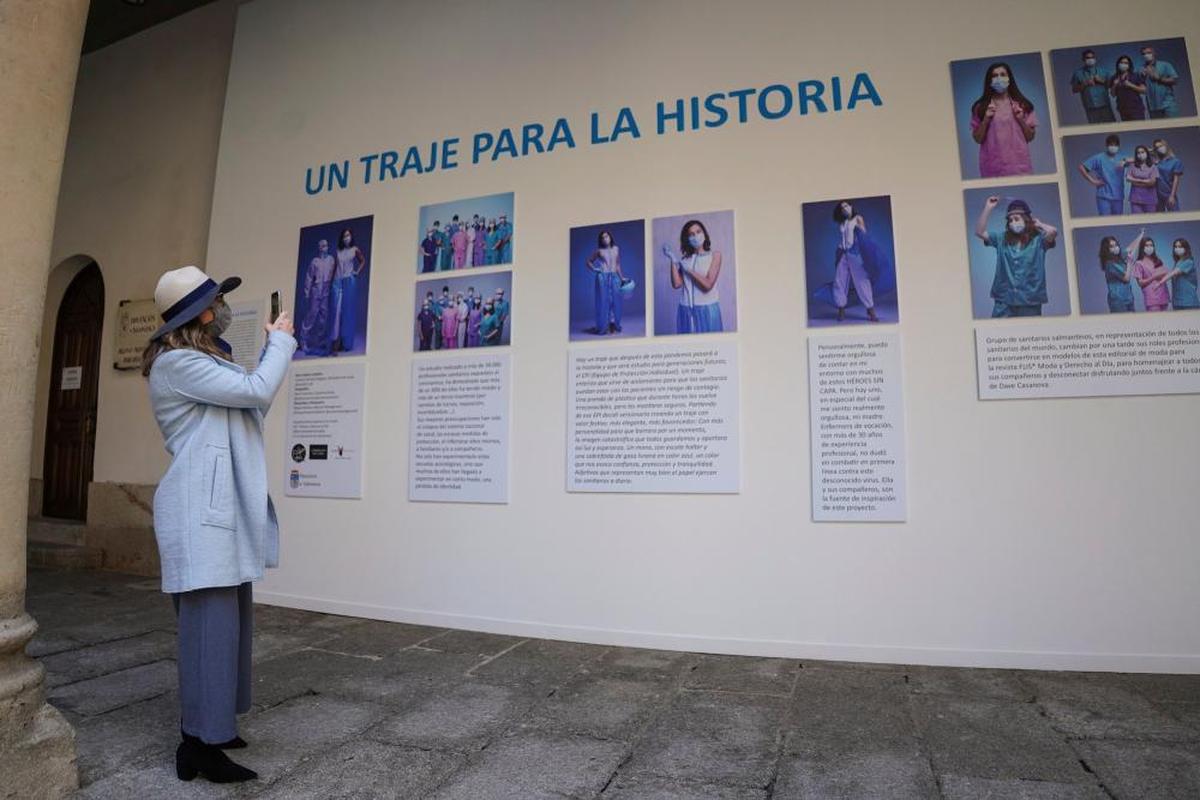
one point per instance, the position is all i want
(276, 305)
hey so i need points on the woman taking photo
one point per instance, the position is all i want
(214, 523)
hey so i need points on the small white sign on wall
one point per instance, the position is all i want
(72, 378)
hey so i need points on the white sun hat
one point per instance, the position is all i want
(183, 294)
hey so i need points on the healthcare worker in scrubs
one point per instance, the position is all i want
(504, 237)
(426, 320)
(1142, 176)
(474, 320)
(503, 309)
(1170, 175)
(1129, 90)
(314, 332)
(1151, 274)
(429, 251)
(1019, 285)
(1183, 276)
(1090, 82)
(1160, 77)
(491, 255)
(695, 270)
(1106, 172)
(450, 326)
(1003, 123)
(1118, 272)
(489, 326)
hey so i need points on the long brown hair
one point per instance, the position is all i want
(190, 336)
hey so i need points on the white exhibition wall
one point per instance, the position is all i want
(1052, 533)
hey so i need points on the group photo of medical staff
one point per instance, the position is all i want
(695, 273)
(1143, 171)
(607, 280)
(1122, 82)
(1002, 116)
(462, 313)
(332, 280)
(850, 261)
(1137, 268)
(1017, 264)
(465, 234)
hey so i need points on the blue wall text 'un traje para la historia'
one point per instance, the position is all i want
(776, 101)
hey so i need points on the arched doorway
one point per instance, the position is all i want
(71, 410)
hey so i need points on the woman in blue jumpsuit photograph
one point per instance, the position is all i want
(350, 263)
(1019, 285)
(1118, 272)
(214, 522)
(1183, 276)
(605, 264)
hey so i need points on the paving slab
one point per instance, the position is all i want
(110, 742)
(1103, 707)
(842, 712)
(100, 659)
(461, 717)
(1145, 770)
(774, 676)
(856, 776)
(311, 671)
(536, 766)
(607, 707)
(538, 664)
(366, 770)
(983, 738)
(997, 684)
(956, 787)
(1166, 688)
(116, 689)
(654, 788)
(712, 737)
(374, 638)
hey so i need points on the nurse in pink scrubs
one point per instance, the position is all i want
(450, 326)
(1003, 123)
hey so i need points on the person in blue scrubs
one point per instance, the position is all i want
(429, 252)
(503, 309)
(1183, 276)
(1106, 171)
(1090, 82)
(1019, 287)
(1170, 175)
(504, 235)
(489, 326)
(1161, 78)
(491, 255)
(1117, 271)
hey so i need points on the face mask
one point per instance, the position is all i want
(1114, 249)
(1148, 58)
(1162, 151)
(696, 240)
(1122, 67)
(999, 84)
(1112, 149)
(1141, 157)
(222, 317)
(1091, 62)
(1017, 226)
(1149, 251)
(1179, 251)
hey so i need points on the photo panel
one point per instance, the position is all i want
(1106, 178)
(695, 273)
(850, 261)
(333, 276)
(1137, 267)
(1095, 84)
(608, 280)
(466, 234)
(463, 312)
(1002, 116)
(1016, 256)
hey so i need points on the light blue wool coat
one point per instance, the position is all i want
(214, 522)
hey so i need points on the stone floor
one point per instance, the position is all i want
(350, 708)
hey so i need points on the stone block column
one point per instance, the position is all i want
(40, 42)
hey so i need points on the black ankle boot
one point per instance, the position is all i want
(194, 757)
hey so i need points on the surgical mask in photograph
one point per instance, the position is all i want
(1112, 149)
(1017, 226)
(1179, 251)
(1148, 58)
(1091, 62)
(1149, 250)
(999, 84)
(696, 240)
(1114, 249)
(1161, 150)
(1122, 67)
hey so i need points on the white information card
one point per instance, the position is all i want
(856, 410)
(325, 429)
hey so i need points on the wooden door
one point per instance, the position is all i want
(71, 417)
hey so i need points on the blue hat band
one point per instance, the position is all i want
(189, 299)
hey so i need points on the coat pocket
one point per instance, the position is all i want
(218, 494)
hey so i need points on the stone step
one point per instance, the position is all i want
(57, 555)
(56, 531)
